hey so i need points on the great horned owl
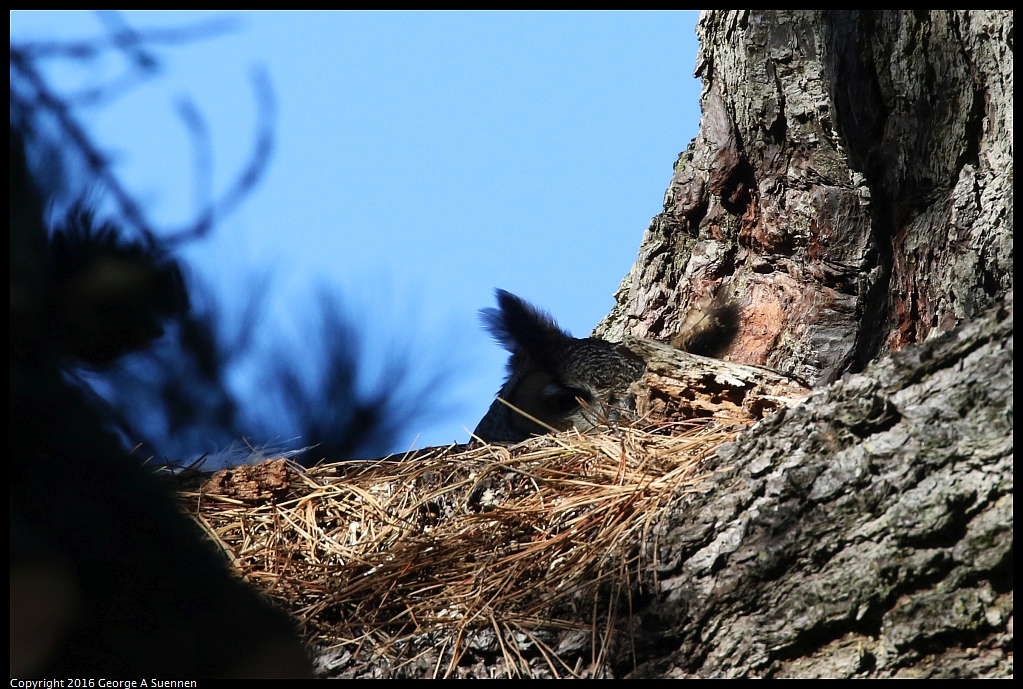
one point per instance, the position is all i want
(564, 382)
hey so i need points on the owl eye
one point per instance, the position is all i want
(560, 399)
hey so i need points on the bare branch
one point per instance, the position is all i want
(202, 153)
(43, 98)
(93, 47)
(253, 172)
(32, 93)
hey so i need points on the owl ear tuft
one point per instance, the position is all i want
(524, 330)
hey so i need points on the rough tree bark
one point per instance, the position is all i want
(851, 186)
(866, 532)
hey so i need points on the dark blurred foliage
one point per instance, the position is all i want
(173, 398)
(112, 344)
(108, 577)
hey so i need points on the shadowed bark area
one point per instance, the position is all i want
(851, 186)
(866, 532)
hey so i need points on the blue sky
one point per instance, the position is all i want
(422, 159)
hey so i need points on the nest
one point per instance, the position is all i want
(465, 560)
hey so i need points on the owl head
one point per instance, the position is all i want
(555, 381)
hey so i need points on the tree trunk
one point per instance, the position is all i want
(866, 532)
(851, 187)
